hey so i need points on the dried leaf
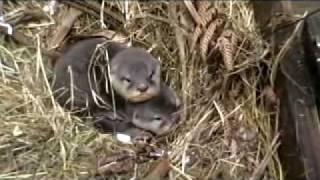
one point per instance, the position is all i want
(270, 99)
(231, 124)
(205, 14)
(116, 167)
(209, 15)
(202, 7)
(119, 156)
(227, 43)
(206, 18)
(192, 10)
(270, 95)
(63, 29)
(196, 34)
(231, 127)
(227, 52)
(159, 171)
(121, 162)
(207, 37)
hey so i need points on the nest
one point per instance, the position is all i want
(211, 54)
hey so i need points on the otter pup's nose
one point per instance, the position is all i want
(142, 87)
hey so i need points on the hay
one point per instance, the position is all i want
(224, 116)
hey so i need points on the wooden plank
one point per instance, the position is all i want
(300, 99)
(296, 85)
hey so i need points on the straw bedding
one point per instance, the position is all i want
(211, 55)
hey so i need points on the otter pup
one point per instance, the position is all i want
(134, 75)
(157, 115)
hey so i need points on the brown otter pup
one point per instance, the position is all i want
(157, 115)
(134, 75)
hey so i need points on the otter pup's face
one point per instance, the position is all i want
(135, 75)
(157, 115)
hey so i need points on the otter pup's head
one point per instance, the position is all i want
(135, 75)
(157, 115)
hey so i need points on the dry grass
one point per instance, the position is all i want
(227, 123)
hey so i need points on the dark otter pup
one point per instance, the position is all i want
(157, 115)
(134, 75)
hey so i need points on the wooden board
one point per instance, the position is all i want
(297, 86)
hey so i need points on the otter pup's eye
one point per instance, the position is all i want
(151, 75)
(126, 79)
(157, 118)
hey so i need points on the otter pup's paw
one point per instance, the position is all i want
(144, 137)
